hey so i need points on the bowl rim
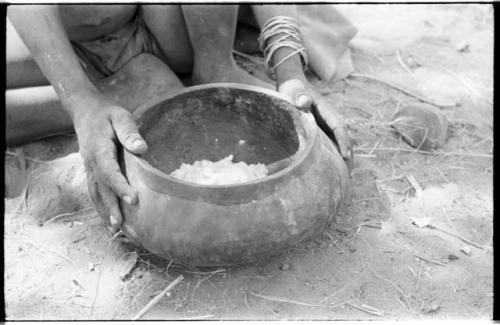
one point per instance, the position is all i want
(297, 158)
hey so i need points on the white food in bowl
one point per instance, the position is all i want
(222, 172)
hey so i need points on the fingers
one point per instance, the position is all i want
(110, 174)
(343, 142)
(111, 203)
(126, 131)
(298, 93)
(100, 205)
(96, 197)
(105, 202)
(336, 123)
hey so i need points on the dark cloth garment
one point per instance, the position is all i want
(111, 52)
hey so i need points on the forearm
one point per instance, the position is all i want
(41, 29)
(292, 67)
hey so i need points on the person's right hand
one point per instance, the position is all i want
(101, 125)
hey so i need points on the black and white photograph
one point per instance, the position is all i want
(248, 161)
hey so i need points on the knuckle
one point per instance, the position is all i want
(109, 178)
(122, 118)
(116, 181)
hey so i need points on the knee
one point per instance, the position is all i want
(152, 69)
(142, 79)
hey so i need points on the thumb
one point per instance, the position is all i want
(297, 92)
(127, 133)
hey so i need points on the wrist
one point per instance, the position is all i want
(81, 102)
(281, 44)
(290, 69)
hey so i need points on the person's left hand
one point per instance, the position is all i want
(327, 118)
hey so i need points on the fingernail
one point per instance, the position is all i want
(138, 143)
(304, 101)
(127, 199)
(112, 220)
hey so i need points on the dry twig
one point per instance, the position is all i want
(444, 153)
(448, 218)
(429, 260)
(289, 301)
(118, 233)
(465, 240)
(67, 214)
(418, 189)
(96, 292)
(156, 299)
(419, 276)
(411, 93)
(392, 178)
(205, 278)
(398, 288)
(252, 58)
(198, 317)
(38, 245)
(367, 309)
(402, 62)
(207, 272)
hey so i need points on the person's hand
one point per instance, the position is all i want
(327, 118)
(101, 125)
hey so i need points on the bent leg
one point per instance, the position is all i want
(22, 70)
(167, 25)
(143, 79)
(212, 31)
(36, 112)
(32, 113)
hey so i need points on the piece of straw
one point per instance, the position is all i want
(156, 299)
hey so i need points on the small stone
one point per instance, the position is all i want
(309, 244)
(91, 266)
(432, 307)
(452, 257)
(324, 244)
(466, 250)
(463, 46)
(423, 126)
(128, 265)
(285, 267)
(412, 63)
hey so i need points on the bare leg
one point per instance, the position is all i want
(36, 112)
(212, 30)
(166, 22)
(22, 70)
(32, 113)
(291, 68)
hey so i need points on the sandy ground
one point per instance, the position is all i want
(373, 262)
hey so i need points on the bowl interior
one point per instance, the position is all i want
(213, 123)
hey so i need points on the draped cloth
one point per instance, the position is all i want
(327, 34)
